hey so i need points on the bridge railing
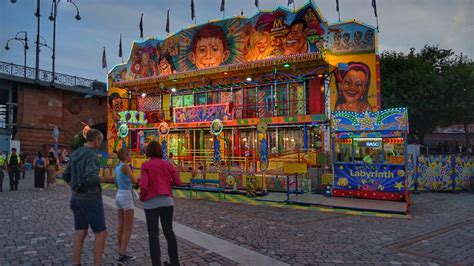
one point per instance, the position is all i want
(47, 76)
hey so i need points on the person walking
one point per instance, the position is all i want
(124, 179)
(157, 178)
(82, 174)
(51, 169)
(40, 164)
(13, 168)
(3, 159)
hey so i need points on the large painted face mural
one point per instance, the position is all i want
(354, 86)
(117, 102)
(235, 40)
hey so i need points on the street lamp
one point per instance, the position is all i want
(24, 42)
(43, 44)
(38, 15)
(53, 17)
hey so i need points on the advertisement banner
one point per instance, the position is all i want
(202, 113)
(370, 177)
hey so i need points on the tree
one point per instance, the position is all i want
(435, 85)
(459, 102)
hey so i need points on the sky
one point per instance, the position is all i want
(403, 24)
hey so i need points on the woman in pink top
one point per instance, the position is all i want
(157, 178)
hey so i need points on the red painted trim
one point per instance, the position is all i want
(393, 196)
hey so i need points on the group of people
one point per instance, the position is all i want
(11, 166)
(156, 180)
(46, 167)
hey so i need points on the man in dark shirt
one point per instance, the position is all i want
(13, 168)
(82, 174)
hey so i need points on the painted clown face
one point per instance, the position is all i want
(353, 85)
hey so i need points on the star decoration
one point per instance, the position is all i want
(399, 185)
(366, 121)
(402, 122)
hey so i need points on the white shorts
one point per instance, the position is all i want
(124, 200)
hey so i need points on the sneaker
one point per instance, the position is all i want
(127, 257)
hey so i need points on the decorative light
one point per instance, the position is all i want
(248, 79)
(244, 139)
(225, 73)
(173, 89)
(175, 80)
(320, 75)
(286, 65)
(144, 95)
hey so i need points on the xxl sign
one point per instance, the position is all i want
(132, 117)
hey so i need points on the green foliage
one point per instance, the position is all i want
(434, 84)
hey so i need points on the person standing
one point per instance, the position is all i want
(40, 164)
(171, 159)
(82, 174)
(124, 179)
(2, 169)
(157, 178)
(51, 170)
(13, 168)
(23, 163)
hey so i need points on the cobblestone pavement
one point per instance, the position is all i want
(36, 227)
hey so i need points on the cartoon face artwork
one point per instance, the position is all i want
(259, 47)
(368, 36)
(357, 38)
(353, 85)
(337, 39)
(353, 88)
(209, 47)
(296, 42)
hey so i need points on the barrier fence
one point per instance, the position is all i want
(440, 172)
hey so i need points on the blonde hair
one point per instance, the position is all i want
(256, 37)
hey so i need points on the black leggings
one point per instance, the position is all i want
(152, 218)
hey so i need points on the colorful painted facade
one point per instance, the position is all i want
(285, 68)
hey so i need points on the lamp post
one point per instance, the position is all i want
(43, 43)
(24, 42)
(53, 17)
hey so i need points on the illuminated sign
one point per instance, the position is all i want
(132, 117)
(203, 113)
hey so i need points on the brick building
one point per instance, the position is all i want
(34, 108)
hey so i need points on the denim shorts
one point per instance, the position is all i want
(124, 199)
(88, 212)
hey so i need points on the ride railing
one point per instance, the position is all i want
(269, 109)
(47, 76)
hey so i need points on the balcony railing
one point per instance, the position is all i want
(47, 76)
